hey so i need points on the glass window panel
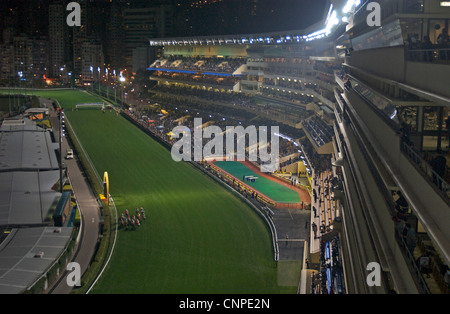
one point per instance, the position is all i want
(437, 27)
(412, 32)
(431, 116)
(384, 106)
(386, 36)
(413, 6)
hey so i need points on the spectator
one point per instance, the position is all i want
(401, 201)
(401, 227)
(438, 164)
(411, 239)
(427, 45)
(443, 44)
(405, 133)
(314, 226)
(447, 127)
(424, 263)
(412, 41)
(443, 38)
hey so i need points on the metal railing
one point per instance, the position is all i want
(429, 55)
(417, 272)
(426, 169)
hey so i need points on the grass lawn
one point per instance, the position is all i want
(198, 237)
(273, 190)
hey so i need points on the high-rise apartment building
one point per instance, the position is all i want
(6, 57)
(57, 38)
(23, 56)
(114, 49)
(143, 23)
(92, 62)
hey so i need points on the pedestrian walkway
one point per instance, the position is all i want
(324, 209)
(292, 232)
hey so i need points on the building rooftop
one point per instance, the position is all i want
(27, 198)
(27, 253)
(19, 124)
(26, 147)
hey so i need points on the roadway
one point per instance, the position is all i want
(88, 206)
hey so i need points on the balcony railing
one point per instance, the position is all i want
(426, 169)
(441, 55)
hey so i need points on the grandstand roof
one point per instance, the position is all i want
(19, 124)
(322, 29)
(239, 39)
(27, 197)
(20, 266)
(32, 149)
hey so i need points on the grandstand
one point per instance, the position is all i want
(319, 132)
(289, 91)
(368, 112)
(211, 65)
(365, 107)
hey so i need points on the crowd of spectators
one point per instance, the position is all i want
(424, 49)
(321, 132)
(287, 83)
(229, 81)
(228, 97)
(288, 60)
(301, 98)
(213, 64)
(320, 163)
(330, 279)
(242, 100)
(221, 116)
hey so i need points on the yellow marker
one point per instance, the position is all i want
(106, 187)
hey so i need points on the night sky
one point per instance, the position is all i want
(213, 17)
(257, 16)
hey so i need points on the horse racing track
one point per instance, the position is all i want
(197, 237)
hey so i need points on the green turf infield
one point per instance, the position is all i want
(273, 190)
(198, 237)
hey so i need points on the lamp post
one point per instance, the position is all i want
(92, 77)
(122, 80)
(107, 83)
(61, 135)
(99, 81)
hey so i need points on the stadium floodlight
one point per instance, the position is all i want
(350, 5)
(332, 21)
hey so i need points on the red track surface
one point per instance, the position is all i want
(304, 195)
